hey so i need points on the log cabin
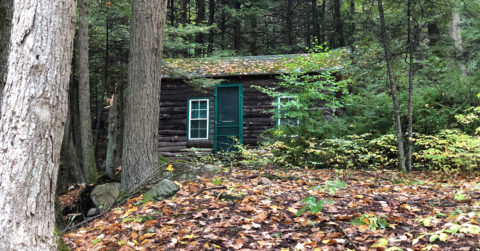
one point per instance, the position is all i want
(210, 119)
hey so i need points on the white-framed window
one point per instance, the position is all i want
(198, 118)
(282, 120)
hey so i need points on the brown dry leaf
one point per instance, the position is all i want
(239, 243)
(260, 217)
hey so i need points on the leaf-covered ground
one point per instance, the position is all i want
(255, 209)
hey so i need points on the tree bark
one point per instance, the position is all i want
(410, 88)
(171, 6)
(86, 145)
(33, 116)
(140, 158)
(455, 31)
(290, 38)
(200, 19)
(184, 11)
(315, 23)
(70, 171)
(322, 24)
(393, 89)
(237, 30)
(112, 137)
(5, 28)
(340, 37)
(211, 21)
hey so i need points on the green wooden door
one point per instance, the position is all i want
(228, 116)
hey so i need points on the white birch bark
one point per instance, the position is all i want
(33, 114)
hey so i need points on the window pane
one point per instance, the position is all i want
(203, 133)
(194, 114)
(203, 113)
(194, 133)
(194, 124)
(195, 104)
(203, 104)
(202, 124)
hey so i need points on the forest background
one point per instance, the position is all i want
(431, 49)
(445, 39)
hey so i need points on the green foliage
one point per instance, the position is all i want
(313, 205)
(314, 91)
(181, 39)
(333, 186)
(350, 152)
(472, 117)
(374, 222)
(448, 151)
(61, 246)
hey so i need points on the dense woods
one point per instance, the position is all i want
(83, 94)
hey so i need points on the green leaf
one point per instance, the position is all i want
(434, 237)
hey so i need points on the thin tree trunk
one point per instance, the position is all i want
(106, 83)
(34, 111)
(410, 88)
(315, 23)
(211, 21)
(184, 11)
(290, 38)
(393, 88)
(5, 28)
(140, 157)
(323, 11)
(340, 37)
(200, 19)
(70, 171)
(86, 145)
(223, 25)
(121, 119)
(171, 6)
(237, 29)
(352, 22)
(112, 137)
(455, 31)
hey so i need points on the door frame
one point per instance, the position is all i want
(240, 112)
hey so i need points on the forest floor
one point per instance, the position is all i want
(258, 209)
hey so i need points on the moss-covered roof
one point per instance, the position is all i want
(247, 65)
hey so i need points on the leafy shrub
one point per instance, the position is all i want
(448, 151)
(355, 151)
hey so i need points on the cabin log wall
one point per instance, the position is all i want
(173, 113)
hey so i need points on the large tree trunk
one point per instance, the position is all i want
(5, 27)
(393, 88)
(140, 158)
(86, 145)
(34, 110)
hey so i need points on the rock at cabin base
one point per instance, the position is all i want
(103, 196)
(163, 189)
(92, 211)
